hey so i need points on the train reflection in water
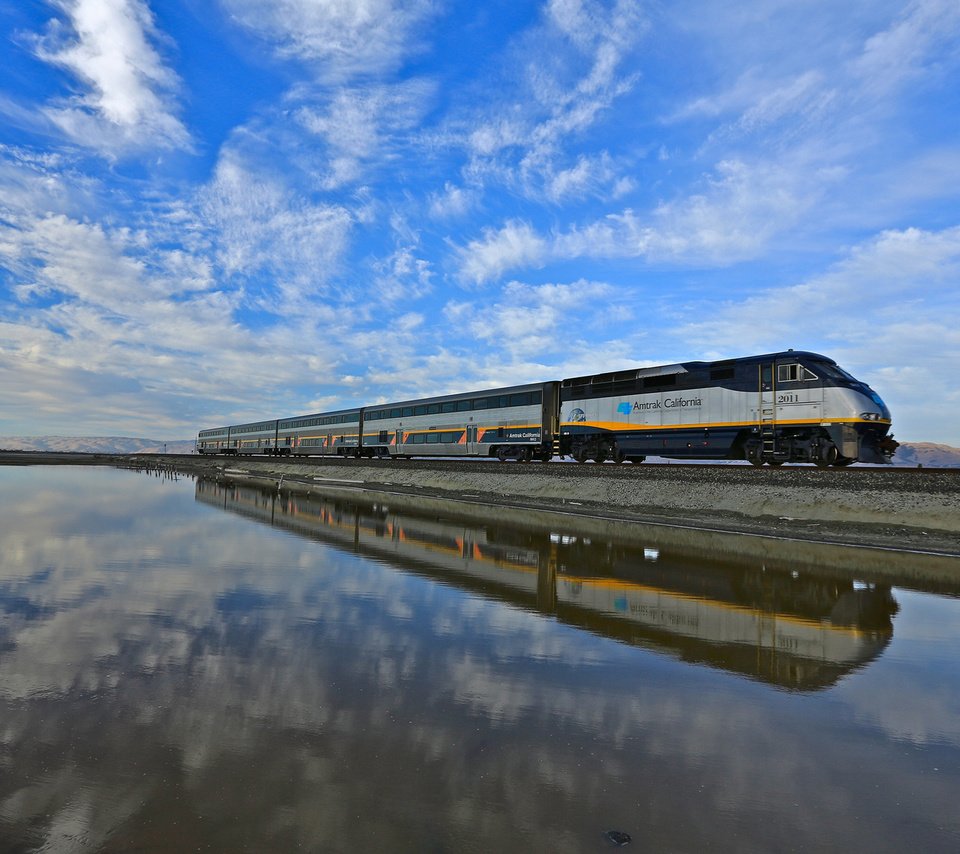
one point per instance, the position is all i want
(800, 631)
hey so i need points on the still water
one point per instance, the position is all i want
(186, 666)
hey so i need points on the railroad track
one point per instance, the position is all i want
(78, 458)
(929, 481)
(628, 469)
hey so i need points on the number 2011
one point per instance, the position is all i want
(787, 398)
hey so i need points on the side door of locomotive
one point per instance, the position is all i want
(798, 394)
(764, 408)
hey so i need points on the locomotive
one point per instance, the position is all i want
(788, 407)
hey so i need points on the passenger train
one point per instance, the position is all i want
(788, 407)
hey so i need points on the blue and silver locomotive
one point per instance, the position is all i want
(783, 407)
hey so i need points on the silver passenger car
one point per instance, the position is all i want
(321, 434)
(517, 422)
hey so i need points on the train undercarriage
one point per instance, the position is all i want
(836, 445)
(824, 446)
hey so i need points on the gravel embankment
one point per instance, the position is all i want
(885, 507)
(897, 508)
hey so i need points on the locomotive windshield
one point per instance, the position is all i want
(835, 372)
(884, 412)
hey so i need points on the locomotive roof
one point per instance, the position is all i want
(686, 367)
(769, 357)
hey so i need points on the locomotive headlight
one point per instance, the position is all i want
(870, 416)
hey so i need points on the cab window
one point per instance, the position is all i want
(794, 373)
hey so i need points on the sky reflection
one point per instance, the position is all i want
(172, 676)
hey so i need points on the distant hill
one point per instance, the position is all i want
(927, 454)
(96, 445)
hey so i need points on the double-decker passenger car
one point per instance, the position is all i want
(792, 406)
(517, 422)
(323, 434)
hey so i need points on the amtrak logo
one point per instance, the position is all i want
(578, 415)
(625, 408)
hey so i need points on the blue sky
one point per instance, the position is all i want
(218, 210)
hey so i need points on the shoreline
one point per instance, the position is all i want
(887, 509)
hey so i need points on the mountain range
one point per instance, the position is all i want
(927, 454)
(96, 445)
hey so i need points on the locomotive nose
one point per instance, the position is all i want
(884, 413)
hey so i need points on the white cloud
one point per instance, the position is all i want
(404, 275)
(453, 202)
(262, 225)
(364, 124)
(521, 138)
(801, 101)
(914, 44)
(341, 39)
(59, 255)
(101, 312)
(534, 322)
(516, 244)
(863, 295)
(496, 134)
(129, 103)
(607, 32)
(590, 176)
(823, 76)
(740, 210)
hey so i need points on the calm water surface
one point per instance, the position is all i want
(186, 667)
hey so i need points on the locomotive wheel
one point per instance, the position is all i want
(600, 457)
(828, 456)
(502, 455)
(775, 463)
(618, 456)
(580, 455)
(843, 462)
(755, 461)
